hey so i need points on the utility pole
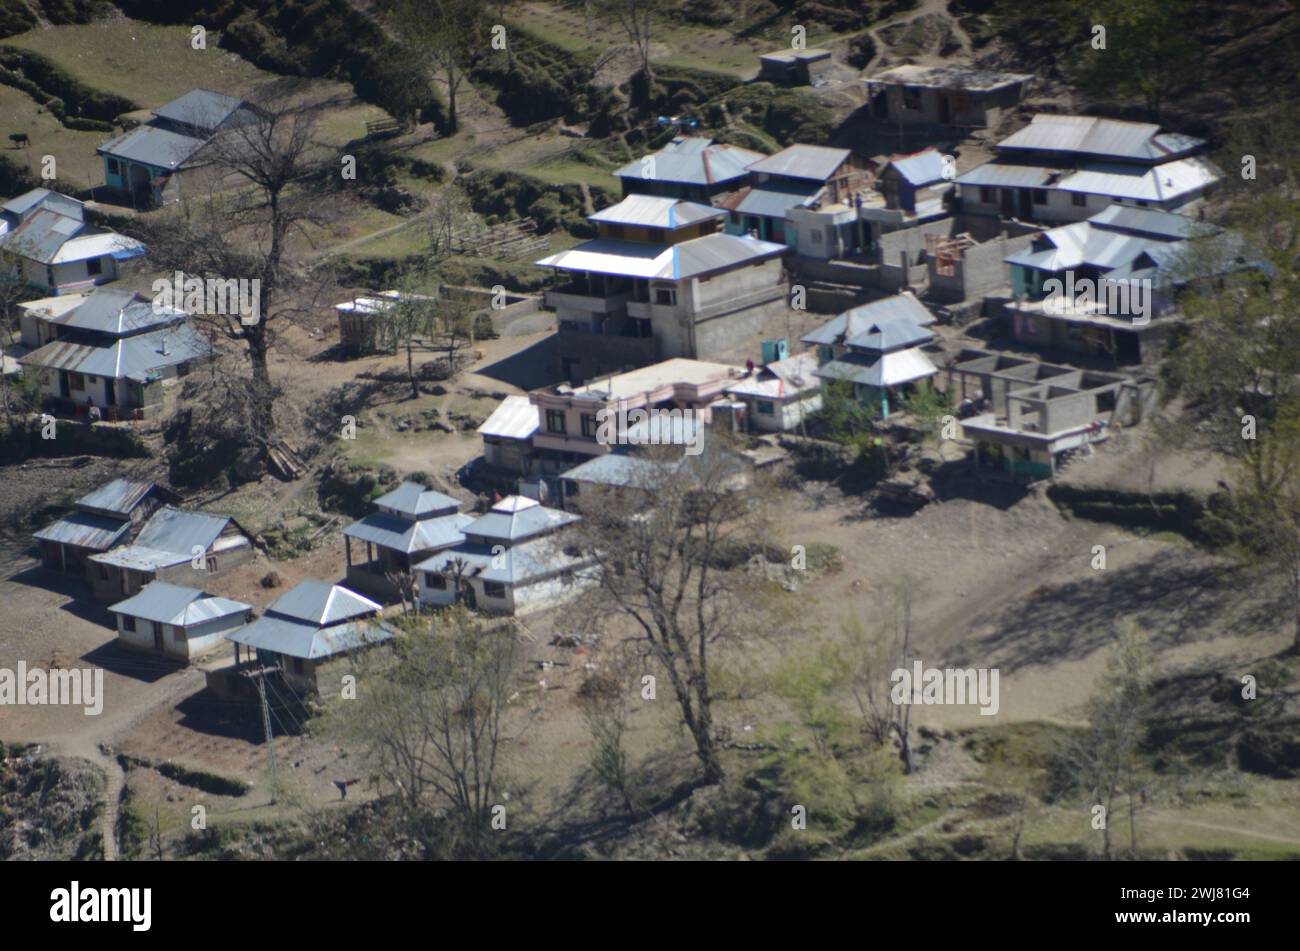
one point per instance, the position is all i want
(266, 730)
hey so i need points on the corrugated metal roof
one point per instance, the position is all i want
(786, 377)
(165, 603)
(1009, 175)
(122, 313)
(1150, 221)
(617, 469)
(84, 530)
(87, 246)
(688, 259)
(859, 320)
(392, 531)
(1093, 135)
(773, 203)
(141, 558)
(202, 108)
(693, 161)
(307, 641)
(322, 604)
(889, 369)
(1159, 183)
(653, 211)
(803, 161)
(514, 418)
(517, 565)
(151, 145)
(54, 201)
(119, 497)
(516, 518)
(133, 358)
(41, 236)
(417, 501)
(173, 529)
(923, 168)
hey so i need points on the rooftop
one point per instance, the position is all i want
(950, 77)
(417, 501)
(816, 162)
(201, 108)
(693, 161)
(1105, 138)
(675, 372)
(653, 211)
(514, 418)
(165, 603)
(712, 252)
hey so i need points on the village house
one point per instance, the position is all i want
(798, 176)
(309, 632)
(514, 560)
(549, 431)
(778, 396)
(791, 67)
(660, 281)
(173, 545)
(410, 523)
(45, 239)
(630, 476)
(114, 351)
(690, 168)
(1030, 416)
(1134, 257)
(148, 163)
(942, 97)
(175, 620)
(910, 190)
(877, 349)
(99, 521)
(1068, 168)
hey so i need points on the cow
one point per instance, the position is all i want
(20, 139)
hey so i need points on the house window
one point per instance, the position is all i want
(986, 195)
(94, 266)
(211, 563)
(113, 167)
(589, 425)
(665, 296)
(494, 589)
(1040, 196)
(766, 407)
(1079, 199)
(178, 635)
(555, 421)
(434, 580)
(76, 381)
(128, 623)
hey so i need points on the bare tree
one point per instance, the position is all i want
(445, 37)
(661, 549)
(432, 725)
(636, 19)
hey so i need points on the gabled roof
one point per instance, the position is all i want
(417, 501)
(770, 202)
(920, 169)
(165, 603)
(409, 537)
(516, 518)
(119, 497)
(1150, 221)
(712, 252)
(85, 530)
(132, 358)
(1010, 174)
(693, 161)
(322, 604)
(201, 108)
(887, 369)
(859, 320)
(45, 198)
(168, 538)
(150, 145)
(1103, 138)
(654, 211)
(803, 161)
(42, 236)
(1160, 183)
(121, 313)
(780, 378)
(521, 564)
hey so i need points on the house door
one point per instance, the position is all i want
(157, 636)
(1026, 202)
(467, 595)
(64, 389)
(1127, 348)
(110, 392)
(1008, 203)
(945, 110)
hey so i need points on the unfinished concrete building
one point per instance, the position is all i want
(943, 97)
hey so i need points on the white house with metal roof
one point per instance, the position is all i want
(877, 349)
(45, 239)
(310, 625)
(514, 560)
(659, 281)
(780, 395)
(799, 176)
(409, 524)
(1068, 168)
(173, 545)
(690, 168)
(114, 351)
(177, 620)
(98, 522)
(148, 162)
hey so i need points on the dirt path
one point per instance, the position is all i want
(1232, 830)
(927, 7)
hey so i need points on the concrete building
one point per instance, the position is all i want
(690, 168)
(514, 560)
(99, 521)
(799, 176)
(944, 97)
(148, 164)
(660, 281)
(791, 67)
(114, 351)
(45, 239)
(308, 633)
(1068, 168)
(410, 523)
(780, 395)
(177, 621)
(877, 349)
(173, 545)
